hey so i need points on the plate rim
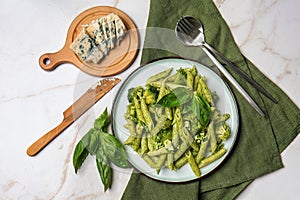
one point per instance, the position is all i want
(223, 158)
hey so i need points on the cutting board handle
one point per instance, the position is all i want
(49, 61)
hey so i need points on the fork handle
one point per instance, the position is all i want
(233, 81)
(240, 72)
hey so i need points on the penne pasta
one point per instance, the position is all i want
(193, 164)
(159, 76)
(213, 157)
(173, 121)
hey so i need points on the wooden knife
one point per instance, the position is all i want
(88, 99)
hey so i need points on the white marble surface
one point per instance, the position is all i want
(32, 100)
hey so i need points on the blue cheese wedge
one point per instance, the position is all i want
(107, 34)
(85, 48)
(94, 30)
(96, 39)
(112, 29)
(120, 28)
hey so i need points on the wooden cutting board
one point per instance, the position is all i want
(118, 59)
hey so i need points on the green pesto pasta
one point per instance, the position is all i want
(139, 112)
(146, 114)
(211, 158)
(144, 144)
(175, 134)
(196, 81)
(181, 162)
(149, 161)
(202, 151)
(173, 121)
(130, 140)
(193, 164)
(170, 161)
(181, 150)
(160, 162)
(159, 152)
(169, 113)
(162, 91)
(190, 79)
(159, 76)
(212, 137)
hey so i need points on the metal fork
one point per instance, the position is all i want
(190, 33)
(197, 28)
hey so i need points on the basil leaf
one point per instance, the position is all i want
(169, 100)
(80, 154)
(202, 109)
(184, 95)
(129, 95)
(102, 122)
(203, 102)
(114, 150)
(104, 169)
(195, 107)
(177, 97)
(88, 144)
(94, 141)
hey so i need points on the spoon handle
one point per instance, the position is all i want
(233, 81)
(240, 72)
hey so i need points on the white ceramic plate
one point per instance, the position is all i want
(226, 104)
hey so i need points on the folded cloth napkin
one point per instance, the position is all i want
(260, 140)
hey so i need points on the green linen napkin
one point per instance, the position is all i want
(260, 140)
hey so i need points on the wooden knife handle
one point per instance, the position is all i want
(37, 146)
(73, 112)
(70, 115)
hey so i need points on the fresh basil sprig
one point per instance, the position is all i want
(114, 150)
(201, 109)
(80, 155)
(102, 122)
(104, 169)
(182, 96)
(177, 97)
(105, 146)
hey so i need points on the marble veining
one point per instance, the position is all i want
(259, 34)
(219, 2)
(116, 3)
(4, 99)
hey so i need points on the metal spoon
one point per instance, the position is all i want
(189, 31)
